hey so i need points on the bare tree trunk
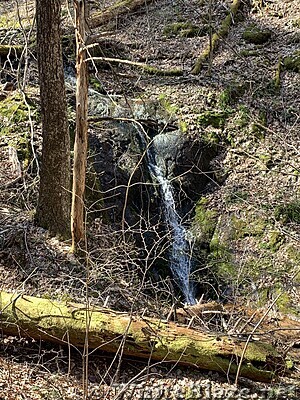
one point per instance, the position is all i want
(81, 136)
(53, 210)
(126, 334)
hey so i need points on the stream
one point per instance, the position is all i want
(180, 255)
(180, 247)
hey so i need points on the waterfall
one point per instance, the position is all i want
(180, 260)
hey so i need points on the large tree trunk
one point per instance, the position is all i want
(81, 136)
(53, 211)
(148, 338)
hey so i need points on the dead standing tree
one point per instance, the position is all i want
(81, 136)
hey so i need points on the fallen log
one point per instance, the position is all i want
(147, 68)
(149, 338)
(118, 8)
(10, 50)
(216, 37)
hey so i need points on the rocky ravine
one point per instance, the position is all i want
(246, 220)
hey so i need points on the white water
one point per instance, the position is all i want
(180, 261)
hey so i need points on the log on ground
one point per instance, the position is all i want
(10, 50)
(148, 338)
(116, 9)
(216, 37)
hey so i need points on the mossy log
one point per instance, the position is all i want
(216, 37)
(118, 8)
(145, 67)
(12, 51)
(134, 336)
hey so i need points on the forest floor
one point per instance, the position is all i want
(240, 76)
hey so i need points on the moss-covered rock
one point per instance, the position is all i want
(232, 233)
(284, 303)
(204, 222)
(220, 258)
(184, 29)
(248, 226)
(255, 35)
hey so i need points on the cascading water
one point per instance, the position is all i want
(180, 260)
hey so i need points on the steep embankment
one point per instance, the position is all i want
(244, 103)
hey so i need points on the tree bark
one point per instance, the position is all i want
(81, 136)
(130, 335)
(216, 37)
(118, 8)
(53, 210)
(147, 68)
(13, 51)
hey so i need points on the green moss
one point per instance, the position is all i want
(184, 29)
(211, 137)
(221, 33)
(231, 94)
(236, 196)
(277, 80)
(14, 125)
(296, 23)
(183, 126)
(289, 212)
(96, 84)
(166, 105)
(9, 21)
(256, 35)
(204, 222)
(249, 53)
(11, 51)
(283, 303)
(292, 63)
(257, 128)
(220, 259)
(231, 229)
(293, 253)
(13, 110)
(160, 72)
(276, 239)
(242, 116)
(251, 226)
(216, 119)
